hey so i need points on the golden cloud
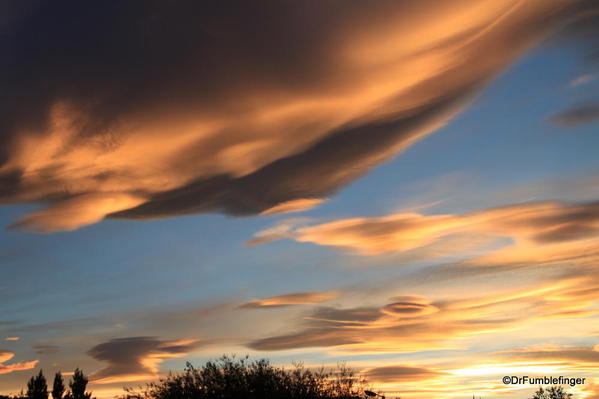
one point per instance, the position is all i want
(301, 298)
(414, 323)
(530, 225)
(271, 109)
(9, 368)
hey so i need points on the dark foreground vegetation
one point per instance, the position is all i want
(37, 387)
(231, 378)
(552, 393)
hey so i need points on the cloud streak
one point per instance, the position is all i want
(301, 298)
(581, 114)
(411, 324)
(401, 374)
(534, 223)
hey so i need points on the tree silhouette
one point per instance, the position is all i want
(58, 387)
(37, 387)
(551, 393)
(78, 385)
(228, 378)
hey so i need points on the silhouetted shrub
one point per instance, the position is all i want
(551, 393)
(228, 378)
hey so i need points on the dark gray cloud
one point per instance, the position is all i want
(135, 358)
(584, 30)
(45, 349)
(150, 109)
(581, 114)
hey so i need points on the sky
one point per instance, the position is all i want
(411, 187)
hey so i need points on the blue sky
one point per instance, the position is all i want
(185, 277)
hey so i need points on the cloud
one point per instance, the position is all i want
(373, 330)
(12, 338)
(301, 298)
(401, 374)
(59, 325)
(135, 358)
(581, 114)
(412, 324)
(585, 30)
(297, 205)
(581, 357)
(9, 368)
(75, 212)
(45, 349)
(534, 223)
(150, 109)
(583, 79)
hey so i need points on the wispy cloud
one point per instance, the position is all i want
(300, 298)
(45, 349)
(583, 79)
(581, 114)
(401, 374)
(577, 357)
(410, 324)
(535, 223)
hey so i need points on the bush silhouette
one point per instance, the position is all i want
(551, 393)
(228, 378)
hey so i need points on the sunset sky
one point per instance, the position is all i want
(411, 187)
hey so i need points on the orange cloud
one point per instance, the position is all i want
(77, 211)
(302, 298)
(531, 224)
(266, 125)
(12, 338)
(297, 205)
(409, 324)
(9, 368)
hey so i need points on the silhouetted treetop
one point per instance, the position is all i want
(58, 387)
(37, 387)
(78, 385)
(229, 378)
(551, 393)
